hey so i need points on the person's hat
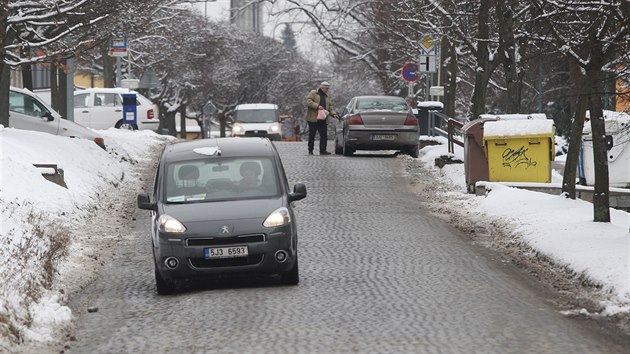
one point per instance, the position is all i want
(324, 84)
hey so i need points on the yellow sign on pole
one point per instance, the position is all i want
(427, 42)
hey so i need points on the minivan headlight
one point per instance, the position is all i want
(237, 129)
(170, 224)
(274, 128)
(279, 217)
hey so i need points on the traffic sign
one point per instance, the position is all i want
(427, 64)
(409, 72)
(118, 47)
(427, 42)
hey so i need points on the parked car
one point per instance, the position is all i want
(377, 123)
(257, 119)
(101, 108)
(221, 207)
(28, 111)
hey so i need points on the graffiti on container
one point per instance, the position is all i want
(517, 158)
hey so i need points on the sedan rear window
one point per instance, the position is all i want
(220, 179)
(382, 103)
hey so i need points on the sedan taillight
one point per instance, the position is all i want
(411, 120)
(150, 114)
(355, 120)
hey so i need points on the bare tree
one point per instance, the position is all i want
(592, 35)
(26, 26)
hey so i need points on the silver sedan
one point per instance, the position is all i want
(377, 123)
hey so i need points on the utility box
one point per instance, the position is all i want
(617, 127)
(130, 108)
(423, 108)
(475, 162)
(519, 150)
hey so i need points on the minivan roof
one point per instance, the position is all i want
(229, 147)
(256, 106)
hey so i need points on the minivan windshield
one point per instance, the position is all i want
(220, 179)
(256, 116)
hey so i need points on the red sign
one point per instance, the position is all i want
(409, 72)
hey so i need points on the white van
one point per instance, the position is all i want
(101, 108)
(257, 119)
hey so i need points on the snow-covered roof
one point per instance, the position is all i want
(430, 104)
(515, 116)
(256, 106)
(518, 127)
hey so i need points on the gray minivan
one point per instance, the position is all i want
(222, 207)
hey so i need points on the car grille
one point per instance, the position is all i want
(225, 262)
(256, 133)
(215, 241)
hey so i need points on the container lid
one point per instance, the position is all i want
(430, 104)
(530, 116)
(521, 128)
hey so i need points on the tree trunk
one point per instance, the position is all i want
(54, 87)
(63, 92)
(601, 200)
(4, 94)
(222, 124)
(509, 57)
(182, 121)
(485, 66)
(108, 68)
(27, 77)
(575, 140)
(449, 76)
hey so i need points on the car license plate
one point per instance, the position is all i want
(383, 137)
(226, 252)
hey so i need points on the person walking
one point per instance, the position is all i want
(318, 100)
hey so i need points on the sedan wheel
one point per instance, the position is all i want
(414, 151)
(292, 277)
(347, 150)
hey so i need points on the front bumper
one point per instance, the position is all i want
(262, 248)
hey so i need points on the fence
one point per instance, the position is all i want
(453, 130)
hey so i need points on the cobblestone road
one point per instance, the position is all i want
(378, 274)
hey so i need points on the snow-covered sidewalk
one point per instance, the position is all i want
(559, 228)
(39, 217)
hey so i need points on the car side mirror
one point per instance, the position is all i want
(144, 202)
(48, 116)
(299, 192)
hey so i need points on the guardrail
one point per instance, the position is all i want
(453, 130)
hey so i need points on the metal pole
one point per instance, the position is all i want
(428, 88)
(128, 60)
(118, 71)
(70, 90)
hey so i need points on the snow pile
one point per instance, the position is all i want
(559, 228)
(37, 215)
